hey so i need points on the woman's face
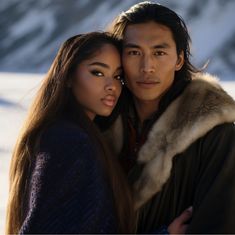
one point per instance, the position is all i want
(97, 84)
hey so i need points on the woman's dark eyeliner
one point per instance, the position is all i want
(97, 73)
(118, 77)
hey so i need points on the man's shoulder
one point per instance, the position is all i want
(220, 137)
(225, 127)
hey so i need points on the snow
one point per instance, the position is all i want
(208, 31)
(16, 94)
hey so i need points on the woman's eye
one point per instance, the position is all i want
(133, 53)
(118, 77)
(97, 73)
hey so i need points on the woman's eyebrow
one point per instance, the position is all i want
(119, 68)
(104, 65)
(100, 64)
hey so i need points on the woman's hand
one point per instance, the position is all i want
(179, 224)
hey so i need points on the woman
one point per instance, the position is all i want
(62, 177)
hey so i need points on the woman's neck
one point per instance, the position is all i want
(90, 115)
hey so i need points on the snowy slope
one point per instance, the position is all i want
(16, 92)
(31, 31)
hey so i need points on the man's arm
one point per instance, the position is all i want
(214, 201)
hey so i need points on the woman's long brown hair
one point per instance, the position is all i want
(49, 104)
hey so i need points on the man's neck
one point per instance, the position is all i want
(145, 109)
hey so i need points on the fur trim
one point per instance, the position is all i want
(202, 106)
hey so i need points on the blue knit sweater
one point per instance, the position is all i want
(68, 190)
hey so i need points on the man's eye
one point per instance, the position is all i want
(133, 53)
(97, 73)
(160, 53)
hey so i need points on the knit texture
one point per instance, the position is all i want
(68, 190)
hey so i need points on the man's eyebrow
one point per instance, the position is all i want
(130, 45)
(161, 45)
(100, 64)
(158, 46)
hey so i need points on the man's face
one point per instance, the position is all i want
(150, 60)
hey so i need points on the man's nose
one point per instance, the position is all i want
(147, 64)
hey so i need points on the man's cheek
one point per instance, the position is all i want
(131, 70)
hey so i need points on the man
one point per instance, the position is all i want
(176, 138)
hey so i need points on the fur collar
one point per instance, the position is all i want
(202, 106)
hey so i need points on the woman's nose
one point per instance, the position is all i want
(110, 85)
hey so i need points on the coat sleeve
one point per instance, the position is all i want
(214, 201)
(68, 192)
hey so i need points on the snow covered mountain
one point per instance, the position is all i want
(32, 31)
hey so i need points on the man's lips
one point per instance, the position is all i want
(109, 100)
(147, 84)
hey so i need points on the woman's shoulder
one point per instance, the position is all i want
(64, 132)
(63, 128)
(64, 139)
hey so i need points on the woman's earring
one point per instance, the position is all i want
(123, 82)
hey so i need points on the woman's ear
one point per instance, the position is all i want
(180, 61)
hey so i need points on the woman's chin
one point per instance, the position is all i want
(105, 113)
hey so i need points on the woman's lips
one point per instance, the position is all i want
(147, 85)
(109, 101)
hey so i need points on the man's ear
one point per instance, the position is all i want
(180, 61)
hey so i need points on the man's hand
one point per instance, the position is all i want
(179, 224)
